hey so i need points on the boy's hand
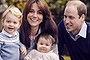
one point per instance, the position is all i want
(23, 50)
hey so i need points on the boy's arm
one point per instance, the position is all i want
(1, 58)
(22, 49)
(0, 50)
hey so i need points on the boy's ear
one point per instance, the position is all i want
(52, 47)
(19, 25)
(2, 21)
(1, 24)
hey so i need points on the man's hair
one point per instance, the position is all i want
(81, 7)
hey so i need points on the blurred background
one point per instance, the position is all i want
(56, 7)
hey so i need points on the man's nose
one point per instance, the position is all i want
(67, 20)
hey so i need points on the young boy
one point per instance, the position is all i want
(9, 36)
(43, 49)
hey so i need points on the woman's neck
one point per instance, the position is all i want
(33, 32)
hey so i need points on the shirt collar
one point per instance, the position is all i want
(9, 35)
(38, 32)
(83, 30)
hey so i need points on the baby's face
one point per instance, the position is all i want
(11, 23)
(44, 45)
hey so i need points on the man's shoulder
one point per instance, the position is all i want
(61, 23)
(61, 26)
(88, 26)
(88, 23)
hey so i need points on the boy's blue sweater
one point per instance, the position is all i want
(79, 49)
(9, 47)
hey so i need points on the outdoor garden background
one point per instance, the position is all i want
(56, 7)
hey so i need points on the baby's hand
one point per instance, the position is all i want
(23, 50)
(26, 58)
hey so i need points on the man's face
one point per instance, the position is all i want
(72, 20)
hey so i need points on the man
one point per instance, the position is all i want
(74, 32)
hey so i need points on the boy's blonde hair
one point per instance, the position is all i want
(13, 10)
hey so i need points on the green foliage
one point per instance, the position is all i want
(47, 1)
(19, 3)
(57, 7)
(10, 2)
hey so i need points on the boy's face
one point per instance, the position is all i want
(44, 45)
(11, 23)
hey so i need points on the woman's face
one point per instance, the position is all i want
(35, 16)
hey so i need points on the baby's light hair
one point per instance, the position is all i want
(13, 10)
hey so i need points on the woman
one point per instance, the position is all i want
(37, 18)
